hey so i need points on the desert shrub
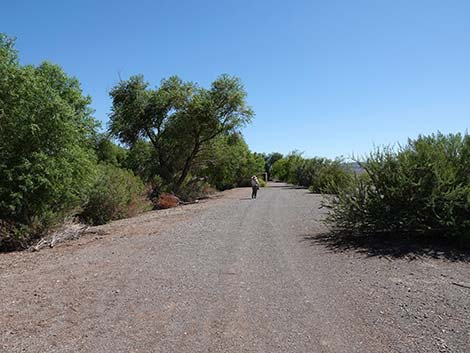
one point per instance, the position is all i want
(193, 189)
(420, 188)
(12, 235)
(117, 193)
(330, 177)
(320, 175)
(46, 159)
(305, 171)
(166, 201)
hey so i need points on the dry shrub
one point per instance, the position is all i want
(208, 190)
(422, 188)
(117, 194)
(8, 239)
(167, 201)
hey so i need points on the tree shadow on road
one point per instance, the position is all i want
(392, 246)
(284, 186)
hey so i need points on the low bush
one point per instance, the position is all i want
(330, 177)
(117, 193)
(320, 175)
(421, 188)
(194, 189)
(12, 236)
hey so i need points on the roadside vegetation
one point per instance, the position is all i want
(420, 189)
(178, 138)
(320, 175)
(181, 140)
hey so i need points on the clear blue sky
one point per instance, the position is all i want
(328, 78)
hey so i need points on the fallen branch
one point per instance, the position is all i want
(67, 231)
(461, 285)
(188, 202)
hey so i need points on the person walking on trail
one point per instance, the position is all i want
(254, 186)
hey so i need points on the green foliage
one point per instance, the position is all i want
(293, 161)
(116, 193)
(194, 189)
(269, 160)
(327, 176)
(141, 160)
(178, 118)
(254, 166)
(109, 152)
(46, 160)
(284, 169)
(8, 53)
(280, 170)
(423, 187)
(320, 175)
(307, 172)
(229, 162)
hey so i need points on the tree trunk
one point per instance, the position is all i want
(187, 167)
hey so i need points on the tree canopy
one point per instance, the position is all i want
(178, 118)
(46, 159)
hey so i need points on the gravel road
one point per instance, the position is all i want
(230, 275)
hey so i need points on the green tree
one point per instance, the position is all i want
(279, 170)
(229, 162)
(284, 168)
(46, 157)
(178, 118)
(108, 152)
(141, 160)
(270, 159)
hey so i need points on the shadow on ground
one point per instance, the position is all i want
(390, 246)
(291, 187)
(281, 185)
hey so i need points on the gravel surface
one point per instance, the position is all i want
(230, 275)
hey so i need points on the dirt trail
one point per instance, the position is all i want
(230, 275)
